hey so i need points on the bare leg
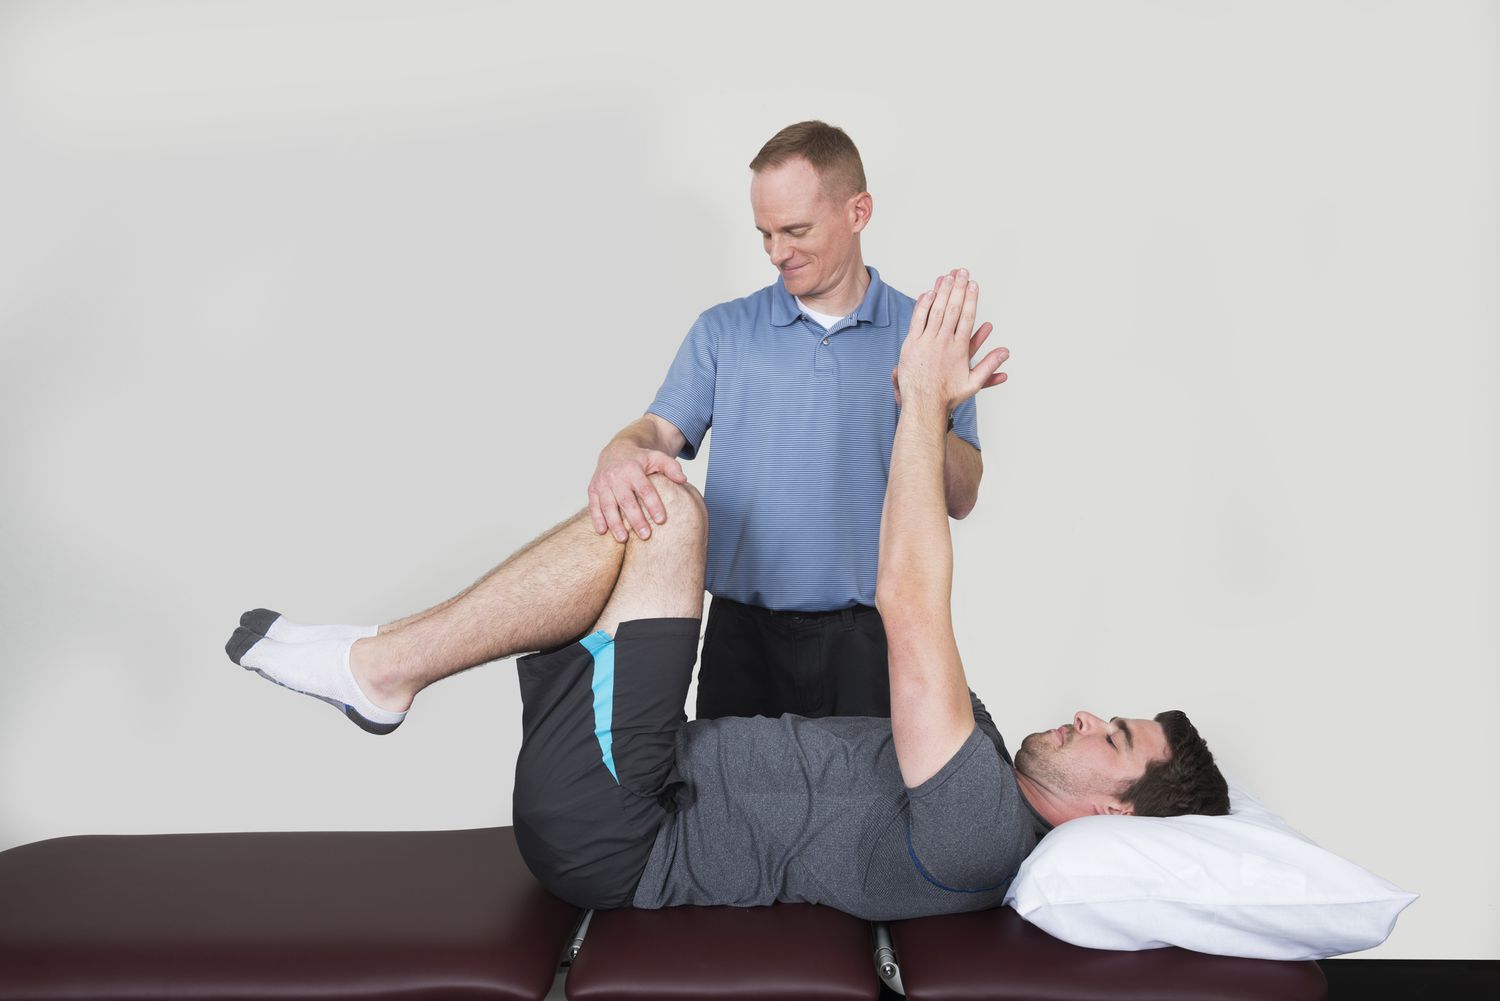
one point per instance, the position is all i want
(389, 627)
(552, 591)
(549, 592)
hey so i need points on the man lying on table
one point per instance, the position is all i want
(619, 802)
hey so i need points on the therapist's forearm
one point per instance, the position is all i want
(650, 432)
(963, 467)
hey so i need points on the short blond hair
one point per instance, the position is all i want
(827, 147)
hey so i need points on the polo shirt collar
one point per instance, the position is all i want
(875, 309)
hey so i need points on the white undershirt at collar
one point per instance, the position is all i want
(823, 319)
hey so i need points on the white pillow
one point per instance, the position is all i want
(1242, 885)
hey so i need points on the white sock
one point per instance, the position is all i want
(275, 626)
(319, 668)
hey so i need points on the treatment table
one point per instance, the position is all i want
(410, 916)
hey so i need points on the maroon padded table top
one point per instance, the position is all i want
(428, 914)
(782, 951)
(996, 956)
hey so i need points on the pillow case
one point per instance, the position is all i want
(1246, 884)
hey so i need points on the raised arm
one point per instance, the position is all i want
(620, 492)
(931, 715)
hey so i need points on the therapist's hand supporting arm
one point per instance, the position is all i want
(621, 496)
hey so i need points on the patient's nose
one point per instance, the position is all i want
(1086, 721)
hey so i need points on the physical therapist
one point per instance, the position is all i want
(797, 382)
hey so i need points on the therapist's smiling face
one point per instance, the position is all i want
(810, 233)
(1091, 757)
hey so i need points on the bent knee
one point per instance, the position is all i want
(682, 501)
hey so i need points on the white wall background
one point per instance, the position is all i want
(329, 306)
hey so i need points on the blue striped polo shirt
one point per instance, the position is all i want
(803, 422)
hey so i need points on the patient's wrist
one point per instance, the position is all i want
(927, 410)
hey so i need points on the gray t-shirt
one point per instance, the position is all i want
(815, 811)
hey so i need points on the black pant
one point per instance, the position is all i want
(757, 662)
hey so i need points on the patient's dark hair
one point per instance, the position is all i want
(1187, 782)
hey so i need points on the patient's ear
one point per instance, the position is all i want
(1114, 808)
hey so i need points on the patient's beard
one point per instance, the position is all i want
(1037, 760)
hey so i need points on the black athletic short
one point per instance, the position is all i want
(597, 771)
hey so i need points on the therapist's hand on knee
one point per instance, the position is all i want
(621, 497)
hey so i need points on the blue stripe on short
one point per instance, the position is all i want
(601, 646)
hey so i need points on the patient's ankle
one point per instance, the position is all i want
(377, 670)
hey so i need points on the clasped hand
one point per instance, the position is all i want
(934, 365)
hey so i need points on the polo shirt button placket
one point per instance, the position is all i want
(824, 363)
